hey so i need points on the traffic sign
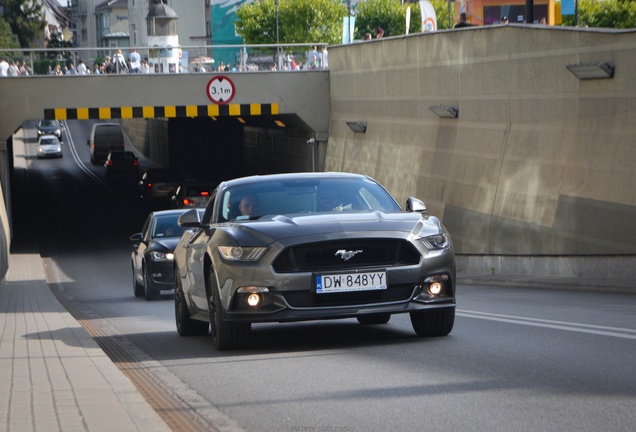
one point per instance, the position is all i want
(221, 90)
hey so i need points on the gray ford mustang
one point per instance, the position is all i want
(310, 246)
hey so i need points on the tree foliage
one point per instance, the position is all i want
(26, 18)
(391, 16)
(299, 21)
(7, 38)
(618, 14)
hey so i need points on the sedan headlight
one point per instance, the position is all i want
(436, 242)
(161, 256)
(238, 253)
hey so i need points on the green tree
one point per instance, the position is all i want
(26, 18)
(391, 16)
(388, 14)
(618, 14)
(7, 38)
(299, 21)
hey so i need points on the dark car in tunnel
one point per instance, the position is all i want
(152, 254)
(160, 184)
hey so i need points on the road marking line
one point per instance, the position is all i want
(559, 325)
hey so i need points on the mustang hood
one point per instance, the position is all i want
(282, 227)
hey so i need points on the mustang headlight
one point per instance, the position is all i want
(436, 242)
(161, 256)
(238, 253)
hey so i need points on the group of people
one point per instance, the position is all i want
(120, 65)
(115, 65)
(14, 68)
(379, 34)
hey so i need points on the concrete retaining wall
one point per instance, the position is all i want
(537, 163)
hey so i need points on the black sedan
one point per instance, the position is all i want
(50, 127)
(152, 253)
(160, 184)
(310, 246)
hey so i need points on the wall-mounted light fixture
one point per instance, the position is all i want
(445, 111)
(596, 70)
(357, 126)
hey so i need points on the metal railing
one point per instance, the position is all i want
(186, 59)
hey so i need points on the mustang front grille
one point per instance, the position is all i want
(346, 254)
(394, 293)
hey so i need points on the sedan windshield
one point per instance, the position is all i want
(305, 196)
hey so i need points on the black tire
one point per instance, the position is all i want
(434, 322)
(225, 335)
(380, 318)
(186, 326)
(151, 292)
(138, 288)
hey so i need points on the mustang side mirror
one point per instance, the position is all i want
(190, 219)
(415, 205)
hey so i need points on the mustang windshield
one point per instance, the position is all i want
(305, 196)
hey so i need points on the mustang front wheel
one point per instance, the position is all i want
(434, 322)
(226, 335)
(186, 326)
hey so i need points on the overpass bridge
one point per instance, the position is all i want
(532, 160)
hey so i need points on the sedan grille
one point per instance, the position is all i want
(346, 254)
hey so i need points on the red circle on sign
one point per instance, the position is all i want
(220, 90)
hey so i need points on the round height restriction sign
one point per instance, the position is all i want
(221, 90)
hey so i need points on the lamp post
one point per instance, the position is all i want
(278, 57)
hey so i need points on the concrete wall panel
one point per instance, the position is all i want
(532, 147)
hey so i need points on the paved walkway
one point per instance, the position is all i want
(53, 375)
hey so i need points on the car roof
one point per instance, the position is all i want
(121, 153)
(168, 212)
(163, 173)
(291, 176)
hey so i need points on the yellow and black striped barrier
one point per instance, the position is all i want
(165, 111)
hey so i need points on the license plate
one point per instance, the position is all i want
(345, 282)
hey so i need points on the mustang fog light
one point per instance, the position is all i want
(253, 299)
(435, 288)
(254, 296)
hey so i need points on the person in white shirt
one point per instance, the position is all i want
(4, 67)
(145, 67)
(324, 61)
(135, 61)
(120, 62)
(14, 70)
(81, 68)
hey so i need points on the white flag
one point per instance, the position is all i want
(429, 18)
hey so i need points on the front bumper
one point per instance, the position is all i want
(306, 305)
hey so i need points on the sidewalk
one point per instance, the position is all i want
(53, 375)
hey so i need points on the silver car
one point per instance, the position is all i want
(310, 246)
(48, 146)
